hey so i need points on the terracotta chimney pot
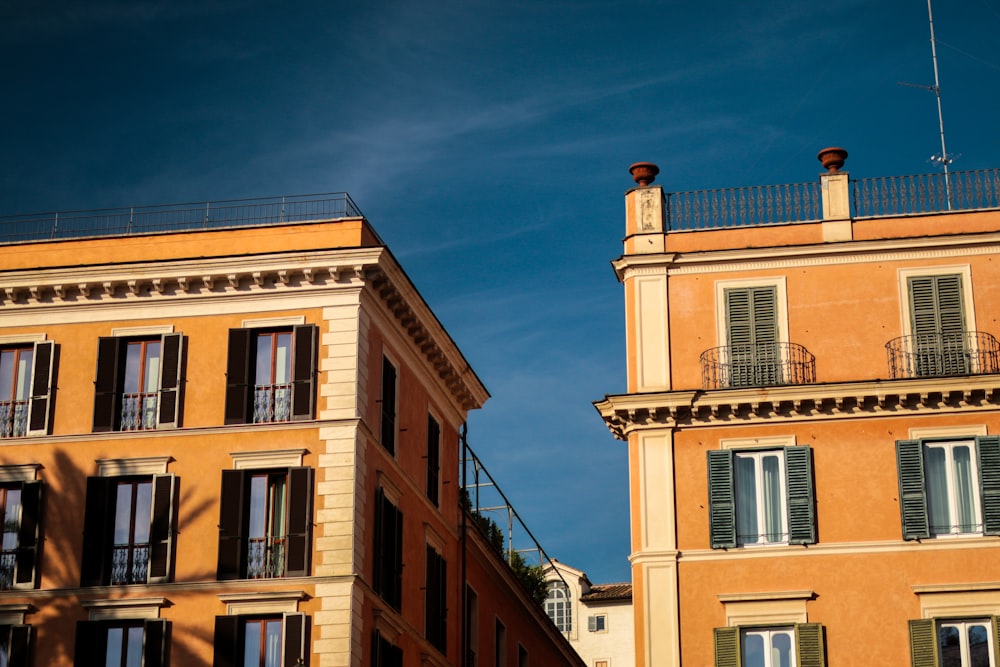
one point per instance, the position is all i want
(644, 173)
(832, 158)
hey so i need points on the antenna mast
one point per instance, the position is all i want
(944, 160)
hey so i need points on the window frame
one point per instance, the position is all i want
(559, 599)
(389, 395)
(433, 485)
(109, 389)
(968, 302)
(925, 638)
(23, 557)
(37, 420)
(597, 623)
(722, 316)
(436, 599)
(230, 633)
(92, 639)
(387, 556)
(809, 643)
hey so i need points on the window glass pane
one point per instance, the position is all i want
(746, 500)
(979, 646)
(964, 490)
(151, 382)
(7, 365)
(133, 365)
(273, 643)
(23, 376)
(753, 650)
(781, 649)
(258, 498)
(114, 653)
(251, 645)
(123, 513)
(143, 512)
(134, 650)
(950, 646)
(937, 490)
(771, 465)
(277, 518)
(283, 359)
(11, 514)
(264, 359)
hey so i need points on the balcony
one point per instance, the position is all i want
(943, 354)
(265, 557)
(13, 419)
(760, 365)
(139, 411)
(129, 564)
(272, 403)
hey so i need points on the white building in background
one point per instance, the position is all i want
(596, 618)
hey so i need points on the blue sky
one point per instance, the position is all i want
(488, 142)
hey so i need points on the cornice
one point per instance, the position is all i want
(817, 254)
(625, 413)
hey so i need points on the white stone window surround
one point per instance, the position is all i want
(270, 602)
(20, 473)
(151, 330)
(14, 339)
(124, 608)
(780, 297)
(959, 600)
(269, 322)
(927, 432)
(146, 465)
(968, 303)
(268, 458)
(767, 608)
(13, 614)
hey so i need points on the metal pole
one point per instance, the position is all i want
(937, 93)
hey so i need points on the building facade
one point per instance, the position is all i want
(812, 417)
(230, 436)
(597, 619)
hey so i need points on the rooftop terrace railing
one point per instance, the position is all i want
(925, 193)
(743, 207)
(176, 217)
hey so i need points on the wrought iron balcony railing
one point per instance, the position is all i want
(13, 419)
(8, 559)
(926, 193)
(129, 564)
(139, 411)
(266, 557)
(943, 354)
(760, 365)
(272, 403)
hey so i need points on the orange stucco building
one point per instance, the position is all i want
(230, 435)
(812, 420)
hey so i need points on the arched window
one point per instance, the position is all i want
(557, 606)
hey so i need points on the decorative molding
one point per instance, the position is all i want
(625, 413)
(119, 608)
(12, 339)
(957, 600)
(147, 465)
(143, 331)
(268, 458)
(969, 431)
(766, 596)
(770, 442)
(266, 322)
(13, 614)
(20, 473)
(270, 602)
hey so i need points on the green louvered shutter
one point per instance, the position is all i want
(727, 647)
(752, 336)
(988, 452)
(721, 499)
(923, 643)
(801, 499)
(809, 647)
(938, 323)
(912, 493)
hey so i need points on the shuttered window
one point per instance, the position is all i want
(937, 320)
(261, 641)
(25, 389)
(271, 375)
(139, 383)
(433, 459)
(800, 645)
(761, 497)
(265, 523)
(19, 505)
(754, 357)
(435, 599)
(387, 575)
(387, 402)
(144, 551)
(949, 487)
(961, 642)
(122, 643)
(384, 653)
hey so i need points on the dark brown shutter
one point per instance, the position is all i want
(238, 378)
(231, 524)
(387, 433)
(293, 646)
(433, 458)
(378, 548)
(154, 653)
(19, 646)
(300, 505)
(106, 395)
(396, 593)
(41, 388)
(27, 534)
(304, 371)
(227, 648)
(95, 530)
(162, 528)
(170, 380)
(91, 642)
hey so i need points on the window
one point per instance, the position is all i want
(122, 643)
(387, 577)
(522, 656)
(25, 389)
(14, 645)
(265, 523)
(557, 606)
(436, 600)
(128, 530)
(800, 645)
(499, 644)
(138, 383)
(433, 459)
(19, 503)
(954, 642)
(388, 405)
(384, 652)
(949, 487)
(471, 626)
(600, 663)
(597, 623)
(271, 374)
(752, 336)
(761, 497)
(937, 322)
(272, 640)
